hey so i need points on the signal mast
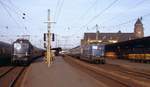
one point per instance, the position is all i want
(49, 57)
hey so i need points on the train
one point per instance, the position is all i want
(137, 50)
(93, 53)
(20, 52)
(23, 52)
(5, 53)
(75, 52)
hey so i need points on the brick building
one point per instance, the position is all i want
(107, 38)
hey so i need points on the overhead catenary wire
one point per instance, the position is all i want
(18, 11)
(139, 3)
(120, 24)
(100, 13)
(10, 15)
(13, 10)
(86, 12)
(129, 21)
(103, 11)
(129, 9)
(20, 15)
(59, 7)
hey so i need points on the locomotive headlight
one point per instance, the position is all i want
(17, 46)
(95, 47)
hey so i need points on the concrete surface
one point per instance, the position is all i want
(59, 74)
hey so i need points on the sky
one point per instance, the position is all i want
(73, 18)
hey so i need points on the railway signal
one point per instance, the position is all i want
(53, 37)
(44, 36)
(45, 45)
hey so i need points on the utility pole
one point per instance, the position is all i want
(56, 39)
(97, 32)
(49, 58)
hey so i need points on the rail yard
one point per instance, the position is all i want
(85, 43)
(72, 69)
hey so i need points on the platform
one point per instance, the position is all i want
(59, 74)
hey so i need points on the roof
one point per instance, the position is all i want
(4, 44)
(108, 36)
(22, 40)
(138, 21)
(140, 42)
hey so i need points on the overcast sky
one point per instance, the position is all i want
(72, 17)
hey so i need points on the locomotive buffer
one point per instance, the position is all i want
(49, 57)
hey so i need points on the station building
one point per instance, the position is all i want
(107, 38)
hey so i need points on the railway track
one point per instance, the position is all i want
(10, 77)
(109, 77)
(128, 71)
(137, 73)
(5, 70)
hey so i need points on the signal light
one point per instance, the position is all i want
(45, 45)
(44, 36)
(53, 37)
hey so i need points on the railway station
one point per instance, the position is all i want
(62, 43)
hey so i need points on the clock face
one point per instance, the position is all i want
(17, 46)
